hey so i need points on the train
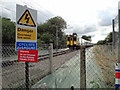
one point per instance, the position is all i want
(73, 41)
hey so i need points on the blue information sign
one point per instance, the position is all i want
(117, 86)
(26, 45)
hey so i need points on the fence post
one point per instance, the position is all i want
(113, 42)
(50, 56)
(82, 67)
(117, 66)
(119, 35)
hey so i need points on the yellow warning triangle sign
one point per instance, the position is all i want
(26, 19)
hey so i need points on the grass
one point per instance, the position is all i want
(106, 60)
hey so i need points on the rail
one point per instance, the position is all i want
(40, 57)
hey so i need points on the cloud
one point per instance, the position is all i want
(105, 17)
(42, 16)
(9, 10)
(85, 29)
(88, 29)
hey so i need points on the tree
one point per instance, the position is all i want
(47, 38)
(88, 38)
(101, 42)
(8, 31)
(49, 29)
(107, 40)
(46, 31)
(59, 22)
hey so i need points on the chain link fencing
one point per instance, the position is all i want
(100, 66)
(63, 71)
(13, 72)
(115, 38)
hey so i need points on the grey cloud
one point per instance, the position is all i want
(6, 13)
(9, 10)
(92, 35)
(42, 16)
(106, 17)
(85, 29)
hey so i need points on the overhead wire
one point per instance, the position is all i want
(38, 10)
(28, 4)
(38, 6)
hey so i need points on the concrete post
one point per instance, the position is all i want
(82, 67)
(50, 56)
(56, 38)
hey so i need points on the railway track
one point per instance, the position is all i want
(40, 57)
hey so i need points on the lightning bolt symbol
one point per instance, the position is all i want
(27, 18)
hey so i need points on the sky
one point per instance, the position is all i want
(84, 17)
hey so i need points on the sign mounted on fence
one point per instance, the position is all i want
(26, 33)
(26, 19)
(117, 76)
(26, 24)
(26, 45)
(27, 55)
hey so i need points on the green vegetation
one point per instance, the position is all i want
(95, 84)
(46, 32)
(88, 38)
(107, 40)
(106, 61)
(8, 31)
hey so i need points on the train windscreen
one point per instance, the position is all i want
(74, 38)
(68, 38)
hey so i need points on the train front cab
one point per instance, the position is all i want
(71, 42)
(68, 41)
(74, 40)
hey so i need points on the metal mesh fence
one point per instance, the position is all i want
(115, 33)
(13, 72)
(63, 71)
(65, 68)
(100, 66)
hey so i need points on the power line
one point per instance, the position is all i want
(38, 6)
(41, 7)
(45, 16)
(8, 9)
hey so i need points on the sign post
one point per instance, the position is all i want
(117, 76)
(27, 75)
(26, 37)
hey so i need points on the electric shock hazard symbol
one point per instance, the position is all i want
(26, 19)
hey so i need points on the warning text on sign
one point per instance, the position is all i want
(27, 55)
(26, 45)
(26, 34)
